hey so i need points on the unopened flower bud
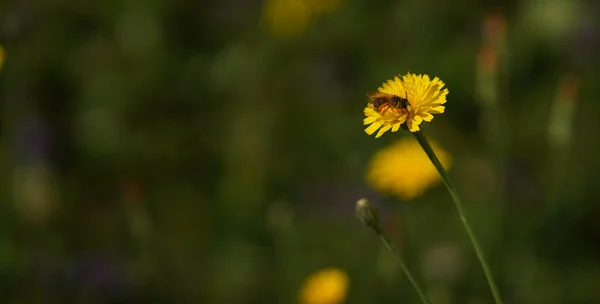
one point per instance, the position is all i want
(368, 214)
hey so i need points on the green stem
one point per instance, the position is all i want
(403, 265)
(459, 206)
(370, 216)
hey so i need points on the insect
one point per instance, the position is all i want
(384, 100)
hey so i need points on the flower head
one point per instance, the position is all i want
(403, 169)
(424, 96)
(327, 286)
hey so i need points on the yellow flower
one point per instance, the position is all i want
(292, 17)
(425, 98)
(403, 169)
(287, 17)
(327, 286)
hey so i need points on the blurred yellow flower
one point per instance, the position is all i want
(425, 97)
(1, 56)
(292, 17)
(327, 286)
(403, 169)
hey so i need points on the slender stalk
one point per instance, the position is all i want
(459, 206)
(403, 266)
(369, 215)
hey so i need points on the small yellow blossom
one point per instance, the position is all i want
(288, 18)
(425, 97)
(403, 169)
(327, 286)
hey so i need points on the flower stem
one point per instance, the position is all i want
(369, 215)
(404, 267)
(459, 206)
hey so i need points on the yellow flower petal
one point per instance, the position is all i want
(413, 127)
(383, 129)
(393, 87)
(373, 127)
(369, 120)
(369, 111)
(417, 120)
(402, 119)
(437, 110)
(427, 117)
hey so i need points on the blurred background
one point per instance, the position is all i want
(212, 151)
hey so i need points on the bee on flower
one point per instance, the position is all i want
(408, 100)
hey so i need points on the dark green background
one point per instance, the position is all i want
(177, 152)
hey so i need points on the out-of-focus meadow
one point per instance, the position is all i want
(212, 151)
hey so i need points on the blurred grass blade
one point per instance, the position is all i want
(559, 133)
